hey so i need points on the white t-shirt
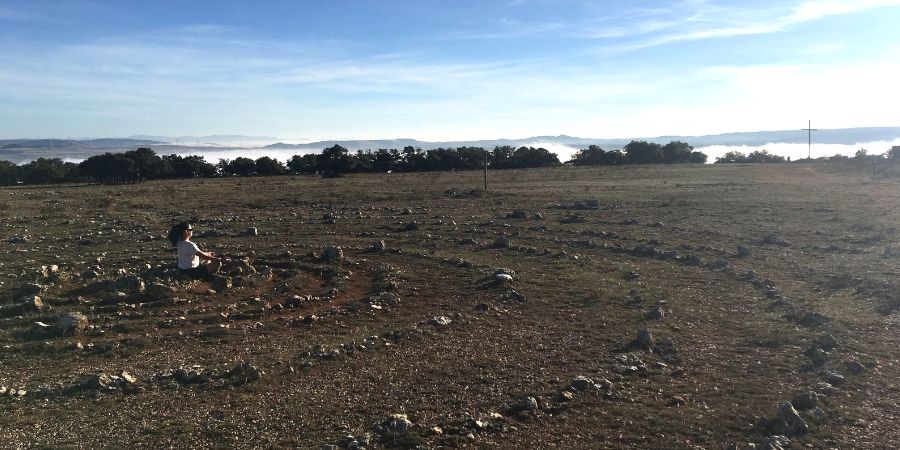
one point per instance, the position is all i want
(187, 255)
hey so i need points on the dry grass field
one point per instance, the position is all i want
(617, 312)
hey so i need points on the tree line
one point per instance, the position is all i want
(640, 152)
(144, 164)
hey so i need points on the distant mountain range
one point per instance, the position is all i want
(846, 136)
(211, 139)
(23, 150)
(107, 143)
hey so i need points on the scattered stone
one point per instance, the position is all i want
(776, 442)
(789, 422)
(131, 284)
(631, 221)
(890, 252)
(774, 239)
(294, 301)
(537, 216)
(517, 214)
(582, 383)
(817, 355)
(656, 313)
(17, 239)
(104, 382)
(129, 378)
(244, 373)
(805, 400)
(644, 339)
(833, 378)
(398, 422)
(221, 283)
(527, 404)
(693, 260)
(720, 264)
(72, 323)
(501, 241)
(816, 414)
(411, 226)
(742, 252)
(854, 367)
(332, 254)
(827, 342)
(117, 297)
(185, 376)
(516, 296)
(808, 319)
(440, 321)
(502, 278)
(629, 364)
(677, 401)
(34, 303)
(573, 218)
(252, 231)
(377, 246)
(824, 389)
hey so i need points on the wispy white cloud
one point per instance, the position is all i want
(638, 27)
(208, 79)
(709, 21)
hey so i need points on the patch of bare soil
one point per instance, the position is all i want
(628, 307)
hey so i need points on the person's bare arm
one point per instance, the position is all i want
(209, 256)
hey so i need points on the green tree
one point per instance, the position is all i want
(413, 159)
(763, 156)
(308, 163)
(109, 168)
(335, 160)
(894, 153)
(9, 173)
(698, 158)
(676, 152)
(525, 157)
(733, 156)
(499, 158)
(240, 166)
(191, 166)
(643, 152)
(267, 166)
(591, 156)
(386, 160)
(364, 161)
(147, 165)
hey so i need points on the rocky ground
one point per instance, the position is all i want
(640, 307)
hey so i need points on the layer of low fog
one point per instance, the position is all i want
(565, 153)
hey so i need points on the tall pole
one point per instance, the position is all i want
(485, 169)
(809, 129)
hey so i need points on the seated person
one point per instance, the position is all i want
(190, 256)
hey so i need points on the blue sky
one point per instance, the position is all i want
(442, 70)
